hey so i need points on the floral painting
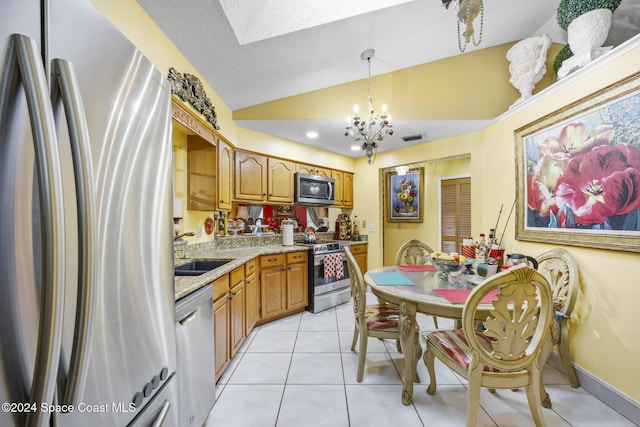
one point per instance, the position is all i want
(404, 201)
(579, 175)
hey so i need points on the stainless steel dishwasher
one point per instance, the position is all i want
(196, 370)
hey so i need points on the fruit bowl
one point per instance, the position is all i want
(445, 267)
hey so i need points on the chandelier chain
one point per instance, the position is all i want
(469, 24)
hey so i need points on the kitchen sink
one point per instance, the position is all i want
(196, 268)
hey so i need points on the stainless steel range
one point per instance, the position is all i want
(328, 283)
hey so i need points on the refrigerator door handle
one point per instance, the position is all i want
(23, 61)
(65, 86)
(162, 415)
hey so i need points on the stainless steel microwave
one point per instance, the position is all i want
(314, 190)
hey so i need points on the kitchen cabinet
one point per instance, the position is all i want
(347, 190)
(297, 281)
(237, 310)
(344, 188)
(273, 291)
(224, 175)
(359, 252)
(313, 170)
(263, 179)
(280, 181)
(250, 176)
(201, 174)
(221, 330)
(283, 284)
(252, 296)
(339, 177)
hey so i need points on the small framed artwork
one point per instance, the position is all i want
(578, 172)
(404, 195)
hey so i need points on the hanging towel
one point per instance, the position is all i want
(333, 266)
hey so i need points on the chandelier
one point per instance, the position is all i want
(369, 131)
(467, 11)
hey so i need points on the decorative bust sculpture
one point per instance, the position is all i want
(527, 64)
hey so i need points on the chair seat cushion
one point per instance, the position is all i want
(383, 317)
(455, 344)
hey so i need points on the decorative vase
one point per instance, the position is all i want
(586, 35)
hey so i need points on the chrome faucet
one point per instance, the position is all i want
(179, 236)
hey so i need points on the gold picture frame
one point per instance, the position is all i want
(404, 196)
(578, 172)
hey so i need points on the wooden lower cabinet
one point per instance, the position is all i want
(359, 252)
(273, 291)
(237, 310)
(283, 284)
(221, 326)
(252, 296)
(297, 280)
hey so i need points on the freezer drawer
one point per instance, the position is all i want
(196, 369)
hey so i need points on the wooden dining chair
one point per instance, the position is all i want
(414, 252)
(376, 320)
(561, 271)
(505, 352)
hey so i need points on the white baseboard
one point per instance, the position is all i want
(613, 398)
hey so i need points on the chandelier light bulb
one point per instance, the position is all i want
(355, 109)
(384, 108)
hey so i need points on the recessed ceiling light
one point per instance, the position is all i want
(355, 147)
(312, 134)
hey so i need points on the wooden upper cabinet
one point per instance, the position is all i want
(225, 175)
(313, 170)
(263, 179)
(280, 181)
(344, 188)
(339, 195)
(201, 174)
(347, 190)
(250, 176)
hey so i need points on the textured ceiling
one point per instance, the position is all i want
(256, 51)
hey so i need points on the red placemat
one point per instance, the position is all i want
(459, 296)
(426, 267)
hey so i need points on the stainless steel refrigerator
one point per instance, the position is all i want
(87, 334)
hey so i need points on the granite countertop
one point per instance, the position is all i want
(184, 285)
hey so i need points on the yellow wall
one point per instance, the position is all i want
(603, 323)
(396, 233)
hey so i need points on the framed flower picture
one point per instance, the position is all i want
(578, 172)
(404, 196)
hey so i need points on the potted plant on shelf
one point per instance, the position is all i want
(587, 23)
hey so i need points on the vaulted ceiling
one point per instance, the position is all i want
(289, 66)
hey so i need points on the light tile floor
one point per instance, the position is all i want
(300, 371)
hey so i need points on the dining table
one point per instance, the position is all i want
(425, 289)
(421, 289)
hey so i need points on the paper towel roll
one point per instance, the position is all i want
(287, 234)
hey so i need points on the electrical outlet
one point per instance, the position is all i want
(199, 231)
